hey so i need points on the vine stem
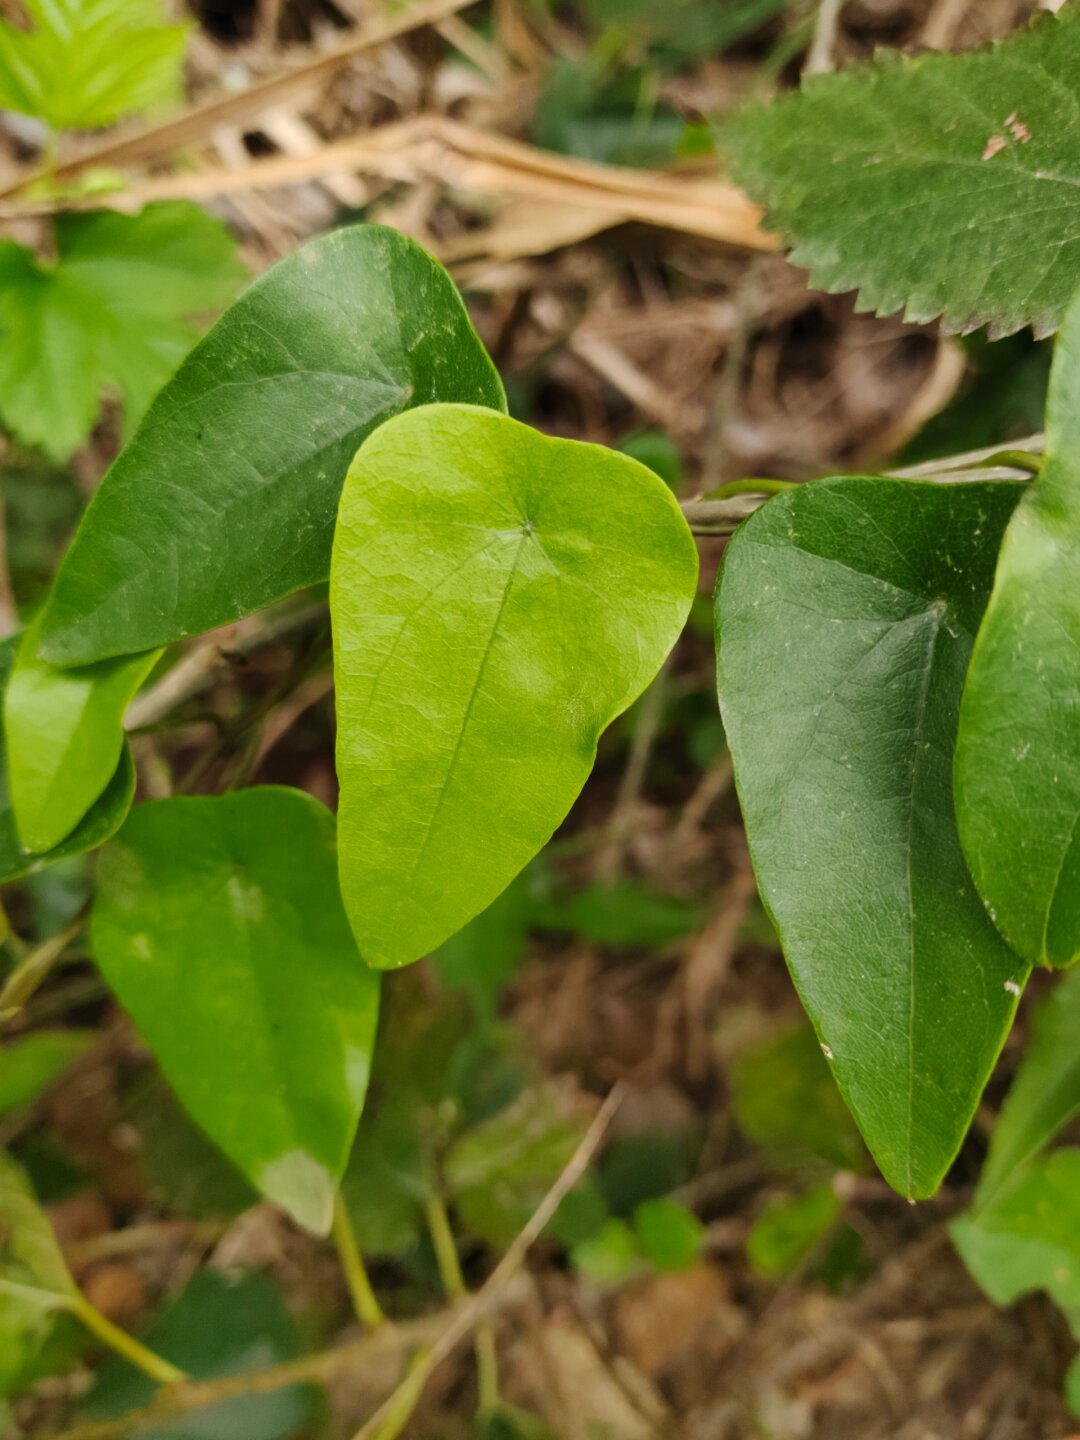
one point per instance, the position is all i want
(484, 1301)
(443, 1332)
(365, 1301)
(158, 1368)
(446, 1257)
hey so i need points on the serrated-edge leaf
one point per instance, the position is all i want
(928, 241)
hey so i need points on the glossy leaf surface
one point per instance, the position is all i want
(219, 926)
(940, 185)
(498, 597)
(110, 313)
(226, 498)
(1017, 771)
(846, 612)
(64, 735)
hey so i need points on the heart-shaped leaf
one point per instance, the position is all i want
(64, 736)
(1017, 772)
(845, 613)
(498, 597)
(219, 925)
(225, 499)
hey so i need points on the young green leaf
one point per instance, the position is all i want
(219, 926)
(1028, 1236)
(944, 185)
(1045, 1095)
(226, 498)
(30, 1063)
(64, 735)
(86, 63)
(497, 597)
(111, 313)
(101, 821)
(32, 1269)
(845, 613)
(1017, 774)
(670, 1237)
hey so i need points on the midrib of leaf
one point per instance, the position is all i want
(937, 613)
(429, 829)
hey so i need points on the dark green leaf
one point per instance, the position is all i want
(846, 612)
(64, 736)
(111, 313)
(30, 1063)
(683, 29)
(1017, 774)
(219, 1325)
(944, 185)
(219, 925)
(622, 914)
(85, 63)
(785, 1098)
(226, 498)
(498, 597)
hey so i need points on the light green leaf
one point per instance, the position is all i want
(1045, 1095)
(64, 735)
(86, 63)
(30, 1063)
(226, 498)
(219, 926)
(788, 1231)
(1017, 775)
(669, 1236)
(846, 612)
(1028, 1236)
(32, 1269)
(498, 597)
(111, 313)
(102, 819)
(608, 1257)
(944, 185)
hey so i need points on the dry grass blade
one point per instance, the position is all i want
(468, 159)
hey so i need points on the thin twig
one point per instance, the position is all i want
(388, 1340)
(485, 1299)
(822, 57)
